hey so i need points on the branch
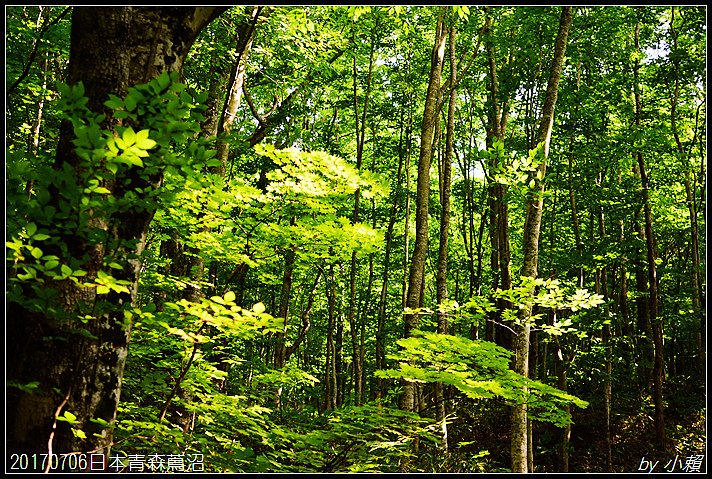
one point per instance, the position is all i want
(33, 54)
(305, 319)
(264, 128)
(183, 372)
(54, 429)
(447, 87)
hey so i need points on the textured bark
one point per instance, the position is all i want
(360, 140)
(80, 366)
(441, 274)
(427, 130)
(245, 36)
(532, 229)
(653, 297)
(280, 348)
(695, 279)
(500, 254)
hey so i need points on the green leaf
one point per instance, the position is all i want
(68, 417)
(31, 229)
(129, 137)
(78, 90)
(130, 102)
(51, 264)
(143, 141)
(114, 102)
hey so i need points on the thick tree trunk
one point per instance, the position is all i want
(532, 229)
(80, 366)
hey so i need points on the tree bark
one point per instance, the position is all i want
(500, 254)
(695, 280)
(112, 49)
(532, 229)
(441, 275)
(653, 297)
(427, 130)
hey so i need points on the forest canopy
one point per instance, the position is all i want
(356, 239)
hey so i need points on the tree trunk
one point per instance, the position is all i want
(245, 36)
(656, 323)
(695, 280)
(280, 348)
(112, 49)
(499, 210)
(360, 140)
(532, 229)
(330, 369)
(417, 265)
(441, 275)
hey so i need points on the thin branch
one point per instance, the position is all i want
(183, 372)
(54, 429)
(36, 46)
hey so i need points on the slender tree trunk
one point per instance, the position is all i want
(602, 289)
(340, 374)
(285, 294)
(360, 141)
(245, 36)
(417, 267)
(500, 254)
(532, 228)
(441, 275)
(653, 299)
(306, 323)
(562, 363)
(330, 369)
(695, 280)
(572, 194)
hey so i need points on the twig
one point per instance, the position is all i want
(54, 429)
(33, 54)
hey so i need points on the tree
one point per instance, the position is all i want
(281, 310)
(532, 229)
(78, 366)
(427, 134)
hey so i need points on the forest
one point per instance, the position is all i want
(327, 239)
